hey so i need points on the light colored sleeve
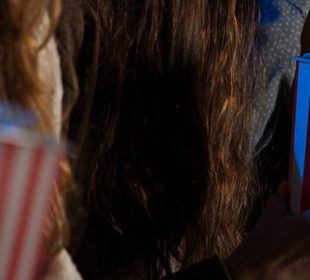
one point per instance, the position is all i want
(62, 267)
(50, 73)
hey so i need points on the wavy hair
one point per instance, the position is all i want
(21, 84)
(173, 174)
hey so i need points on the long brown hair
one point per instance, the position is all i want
(172, 177)
(20, 83)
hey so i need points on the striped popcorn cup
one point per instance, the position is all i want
(299, 173)
(29, 165)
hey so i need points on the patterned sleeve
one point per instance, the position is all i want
(280, 28)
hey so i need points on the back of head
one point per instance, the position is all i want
(172, 117)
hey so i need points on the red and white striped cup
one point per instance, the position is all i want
(29, 164)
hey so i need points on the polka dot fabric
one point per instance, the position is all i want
(280, 28)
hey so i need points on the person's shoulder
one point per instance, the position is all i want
(281, 24)
(276, 12)
(300, 6)
(297, 8)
